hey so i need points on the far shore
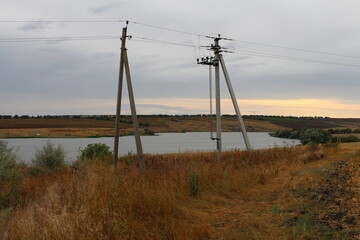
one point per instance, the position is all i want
(87, 127)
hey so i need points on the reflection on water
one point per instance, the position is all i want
(163, 143)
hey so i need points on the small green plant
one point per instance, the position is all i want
(95, 151)
(194, 183)
(129, 159)
(148, 132)
(313, 147)
(331, 145)
(49, 158)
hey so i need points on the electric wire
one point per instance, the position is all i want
(260, 54)
(61, 21)
(297, 49)
(157, 41)
(150, 40)
(56, 39)
(167, 29)
(182, 32)
(254, 53)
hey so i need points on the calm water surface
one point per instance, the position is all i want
(163, 143)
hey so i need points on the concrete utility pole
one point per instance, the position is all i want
(124, 62)
(216, 49)
(216, 62)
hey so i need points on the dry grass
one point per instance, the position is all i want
(236, 198)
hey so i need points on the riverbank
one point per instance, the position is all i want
(162, 143)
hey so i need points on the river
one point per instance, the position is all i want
(162, 143)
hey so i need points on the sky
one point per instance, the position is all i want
(298, 57)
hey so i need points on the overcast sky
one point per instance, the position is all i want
(80, 77)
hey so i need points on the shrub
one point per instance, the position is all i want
(9, 175)
(7, 163)
(95, 150)
(49, 158)
(306, 135)
(312, 135)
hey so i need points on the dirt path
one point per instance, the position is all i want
(339, 197)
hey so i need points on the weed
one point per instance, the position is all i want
(276, 209)
(331, 145)
(129, 158)
(194, 183)
(313, 147)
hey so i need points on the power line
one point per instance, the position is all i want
(252, 53)
(297, 49)
(61, 21)
(101, 21)
(51, 39)
(182, 32)
(150, 40)
(260, 54)
(157, 41)
(168, 29)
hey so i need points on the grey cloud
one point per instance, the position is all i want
(31, 26)
(105, 55)
(106, 8)
(161, 107)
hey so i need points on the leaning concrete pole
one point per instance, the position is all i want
(236, 106)
(135, 121)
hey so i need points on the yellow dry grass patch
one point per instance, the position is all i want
(243, 197)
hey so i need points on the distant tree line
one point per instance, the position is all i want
(344, 131)
(314, 135)
(109, 117)
(269, 117)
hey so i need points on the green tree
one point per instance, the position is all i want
(95, 150)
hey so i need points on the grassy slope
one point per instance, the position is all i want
(267, 194)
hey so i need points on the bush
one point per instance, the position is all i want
(7, 163)
(313, 135)
(95, 151)
(9, 176)
(306, 135)
(49, 158)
